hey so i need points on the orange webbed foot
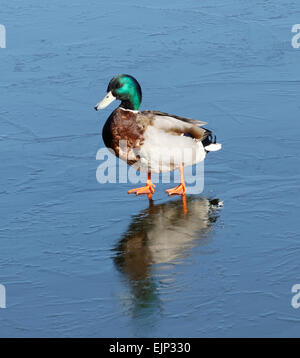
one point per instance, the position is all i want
(148, 189)
(178, 190)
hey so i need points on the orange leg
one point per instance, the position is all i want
(184, 206)
(148, 189)
(180, 189)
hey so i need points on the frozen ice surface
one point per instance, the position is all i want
(86, 260)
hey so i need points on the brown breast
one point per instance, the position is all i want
(123, 132)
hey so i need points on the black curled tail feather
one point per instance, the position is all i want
(210, 142)
(209, 139)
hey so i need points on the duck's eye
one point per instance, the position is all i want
(119, 85)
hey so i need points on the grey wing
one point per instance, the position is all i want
(175, 125)
(183, 119)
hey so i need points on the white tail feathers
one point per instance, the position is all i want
(213, 147)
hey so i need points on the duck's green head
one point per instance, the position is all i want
(124, 88)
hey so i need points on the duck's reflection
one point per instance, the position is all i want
(160, 235)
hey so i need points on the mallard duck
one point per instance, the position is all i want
(152, 141)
